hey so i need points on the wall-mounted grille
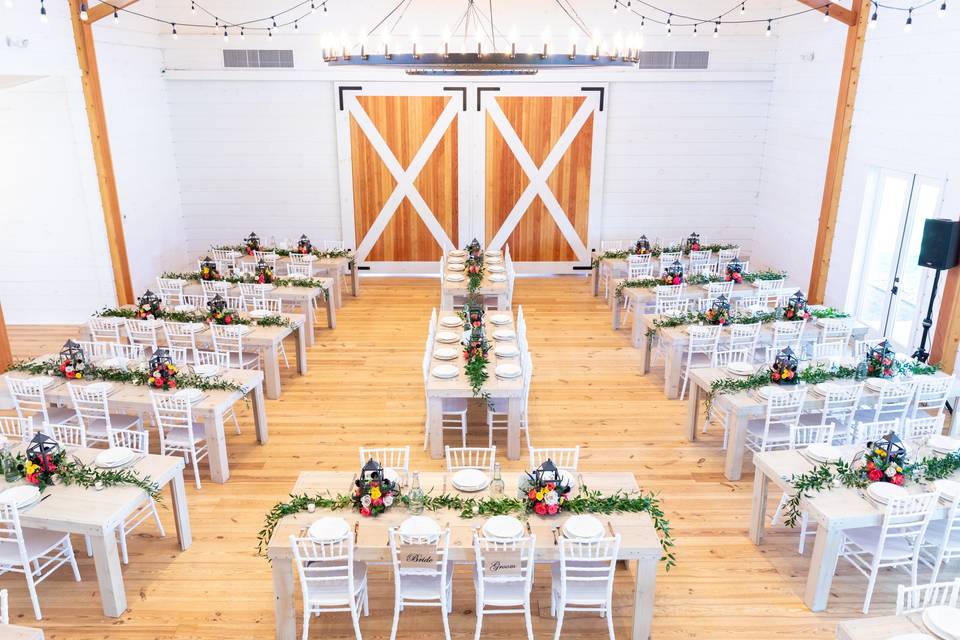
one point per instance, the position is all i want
(258, 58)
(674, 59)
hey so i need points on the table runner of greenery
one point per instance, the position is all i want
(655, 251)
(586, 501)
(309, 283)
(841, 473)
(193, 316)
(696, 280)
(140, 377)
(764, 317)
(283, 253)
(75, 472)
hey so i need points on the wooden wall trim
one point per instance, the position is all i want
(102, 10)
(946, 337)
(6, 354)
(842, 122)
(837, 12)
(96, 118)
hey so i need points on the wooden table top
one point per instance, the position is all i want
(258, 336)
(460, 386)
(75, 509)
(881, 628)
(17, 632)
(681, 333)
(638, 537)
(487, 286)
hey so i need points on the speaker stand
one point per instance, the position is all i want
(921, 353)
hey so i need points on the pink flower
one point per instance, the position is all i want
(552, 509)
(540, 509)
(365, 511)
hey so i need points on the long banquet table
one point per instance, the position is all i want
(331, 268)
(210, 410)
(512, 390)
(833, 511)
(89, 512)
(883, 628)
(639, 540)
(449, 291)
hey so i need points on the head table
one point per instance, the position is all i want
(449, 291)
(89, 512)
(639, 540)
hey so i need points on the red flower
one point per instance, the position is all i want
(228, 320)
(172, 384)
(871, 466)
(33, 479)
(532, 494)
(897, 479)
(875, 475)
(540, 509)
(676, 279)
(365, 511)
(775, 376)
(552, 509)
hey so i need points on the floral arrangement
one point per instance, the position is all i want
(693, 242)
(642, 246)
(39, 468)
(673, 274)
(72, 361)
(542, 495)
(784, 368)
(307, 283)
(734, 271)
(304, 247)
(208, 270)
(883, 462)
(283, 253)
(224, 316)
(881, 361)
(656, 250)
(251, 243)
(475, 349)
(373, 493)
(474, 269)
(148, 306)
(264, 273)
(796, 308)
(126, 376)
(163, 376)
(719, 312)
(474, 249)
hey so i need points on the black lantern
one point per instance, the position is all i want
(719, 311)
(693, 242)
(71, 353)
(371, 471)
(217, 305)
(546, 472)
(892, 445)
(735, 270)
(784, 368)
(159, 358)
(253, 243)
(643, 246)
(148, 305)
(304, 246)
(674, 273)
(42, 445)
(264, 272)
(881, 360)
(796, 308)
(208, 269)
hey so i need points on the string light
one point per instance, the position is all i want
(908, 27)
(826, 14)
(743, 8)
(669, 24)
(296, 26)
(716, 29)
(43, 12)
(643, 22)
(174, 33)
(116, 16)
(695, 34)
(943, 11)
(243, 36)
(324, 7)
(616, 4)
(873, 18)
(313, 7)
(83, 12)
(193, 8)
(769, 28)
(274, 21)
(226, 36)
(270, 33)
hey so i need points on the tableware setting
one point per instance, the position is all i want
(105, 387)
(740, 368)
(259, 314)
(114, 363)
(43, 381)
(22, 496)
(492, 254)
(470, 480)
(451, 321)
(115, 457)
(583, 527)
(493, 260)
(455, 277)
(949, 489)
(504, 334)
(943, 444)
(190, 395)
(184, 308)
(496, 268)
(884, 492)
(419, 526)
(498, 277)
(501, 319)
(820, 452)
(508, 371)
(503, 528)
(445, 371)
(447, 337)
(445, 353)
(457, 252)
(328, 529)
(943, 621)
(455, 266)
(506, 351)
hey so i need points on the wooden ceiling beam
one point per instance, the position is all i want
(837, 12)
(105, 9)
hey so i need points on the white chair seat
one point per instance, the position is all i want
(935, 531)
(59, 415)
(503, 594)
(248, 358)
(37, 541)
(332, 594)
(868, 539)
(454, 405)
(699, 360)
(424, 587)
(579, 593)
(778, 432)
(181, 436)
(118, 422)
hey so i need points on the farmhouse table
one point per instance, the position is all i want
(17, 632)
(834, 511)
(329, 267)
(881, 628)
(97, 514)
(745, 406)
(617, 267)
(675, 341)
(639, 540)
(264, 339)
(459, 387)
(209, 410)
(488, 288)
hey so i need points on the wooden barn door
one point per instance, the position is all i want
(400, 196)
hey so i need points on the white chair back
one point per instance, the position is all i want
(333, 245)
(269, 258)
(128, 351)
(667, 258)
(639, 267)
(172, 412)
(221, 360)
(922, 428)
(138, 441)
(522, 550)
(90, 405)
(744, 336)
(715, 289)
(672, 306)
(866, 432)
(471, 458)
(724, 357)
(227, 339)
(905, 521)
(29, 399)
(170, 291)
(143, 332)
(835, 330)
(273, 306)
(932, 393)
(769, 286)
(840, 404)
(181, 334)
(750, 304)
(16, 428)
(92, 350)
(4, 607)
(787, 333)
(69, 435)
(397, 458)
(894, 401)
(923, 596)
(300, 270)
(250, 292)
(105, 329)
(703, 339)
(587, 568)
(804, 435)
(783, 410)
(726, 255)
(11, 535)
(565, 458)
(327, 568)
(828, 350)
(213, 288)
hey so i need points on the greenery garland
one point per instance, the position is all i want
(125, 376)
(194, 276)
(475, 270)
(194, 317)
(841, 473)
(586, 501)
(656, 250)
(75, 472)
(700, 317)
(695, 280)
(283, 253)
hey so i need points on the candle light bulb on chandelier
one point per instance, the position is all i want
(243, 36)
(826, 14)
(43, 12)
(716, 30)
(313, 7)
(695, 34)
(226, 36)
(193, 8)
(743, 8)
(116, 17)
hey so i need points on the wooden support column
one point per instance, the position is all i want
(946, 337)
(842, 121)
(6, 354)
(96, 117)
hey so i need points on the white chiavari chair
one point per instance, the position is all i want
(783, 412)
(96, 350)
(453, 413)
(333, 245)
(942, 541)
(700, 260)
(127, 352)
(503, 593)
(246, 267)
(840, 402)
(93, 414)
(4, 607)
(29, 399)
(718, 413)
(498, 414)
(105, 329)
(862, 347)
(923, 428)
(170, 291)
(229, 340)
(69, 435)
(923, 596)
(768, 289)
(273, 307)
(866, 432)
(16, 428)
(744, 337)
(750, 305)
(786, 333)
(396, 458)
(302, 260)
(827, 350)
(482, 458)
(249, 292)
(893, 402)
(299, 270)
(268, 257)
(931, 395)
(36, 553)
(521, 321)
(222, 362)
(727, 255)
(182, 335)
(638, 267)
(565, 458)
(224, 255)
(894, 544)
(212, 288)
(144, 333)
(138, 441)
(178, 432)
(701, 345)
(715, 289)
(432, 327)
(583, 579)
(422, 586)
(836, 330)
(667, 258)
(195, 300)
(330, 580)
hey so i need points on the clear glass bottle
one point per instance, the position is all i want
(496, 487)
(415, 502)
(10, 471)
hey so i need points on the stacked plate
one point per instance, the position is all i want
(455, 266)
(445, 371)
(501, 318)
(884, 492)
(949, 489)
(764, 393)
(943, 620)
(242, 329)
(498, 277)
(190, 395)
(740, 368)
(21, 496)
(114, 457)
(419, 526)
(458, 252)
(445, 353)
(184, 308)
(819, 452)
(492, 253)
(508, 371)
(447, 336)
(496, 268)
(206, 370)
(43, 381)
(943, 444)
(504, 334)
(451, 321)
(584, 527)
(105, 387)
(329, 529)
(259, 313)
(494, 260)
(114, 363)
(506, 351)
(503, 528)
(876, 384)
(470, 480)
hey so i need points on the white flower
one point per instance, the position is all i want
(365, 501)
(476, 509)
(551, 497)
(891, 470)
(387, 500)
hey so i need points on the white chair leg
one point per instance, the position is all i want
(870, 586)
(356, 623)
(283, 353)
(122, 534)
(804, 523)
(86, 541)
(196, 469)
(446, 623)
(776, 514)
(156, 517)
(32, 588)
(306, 624)
(236, 422)
(68, 547)
(463, 428)
(527, 620)
(396, 618)
(556, 635)
(609, 616)
(476, 635)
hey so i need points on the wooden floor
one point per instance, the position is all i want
(365, 388)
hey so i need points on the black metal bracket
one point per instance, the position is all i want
(463, 93)
(600, 89)
(340, 91)
(480, 91)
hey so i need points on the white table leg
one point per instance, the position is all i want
(436, 428)
(596, 281)
(646, 350)
(271, 372)
(693, 410)
(337, 289)
(181, 514)
(300, 339)
(758, 510)
(309, 318)
(736, 443)
(331, 312)
(217, 447)
(260, 415)
(615, 310)
(671, 373)
(643, 598)
(514, 406)
(639, 328)
(109, 576)
(823, 565)
(355, 278)
(283, 605)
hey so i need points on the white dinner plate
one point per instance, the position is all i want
(447, 336)
(506, 351)
(206, 370)
(823, 452)
(242, 329)
(445, 353)
(504, 334)
(445, 371)
(21, 496)
(458, 252)
(455, 266)
(191, 395)
(943, 620)
(583, 526)
(501, 318)
(740, 368)
(498, 277)
(455, 277)
(451, 321)
(329, 529)
(496, 268)
(508, 371)
(504, 527)
(259, 313)
(492, 253)
(184, 308)
(883, 492)
(765, 392)
(114, 363)
(949, 489)
(114, 457)
(43, 381)
(419, 526)
(943, 444)
(494, 260)
(106, 387)
(876, 383)
(470, 480)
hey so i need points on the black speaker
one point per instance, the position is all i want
(940, 247)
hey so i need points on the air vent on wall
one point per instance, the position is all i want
(258, 58)
(674, 59)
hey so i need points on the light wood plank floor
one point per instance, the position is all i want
(365, 388)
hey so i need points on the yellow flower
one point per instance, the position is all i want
(540, 495)
(79, 375)
(150, 379)
(375, 492)
(31, 468)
